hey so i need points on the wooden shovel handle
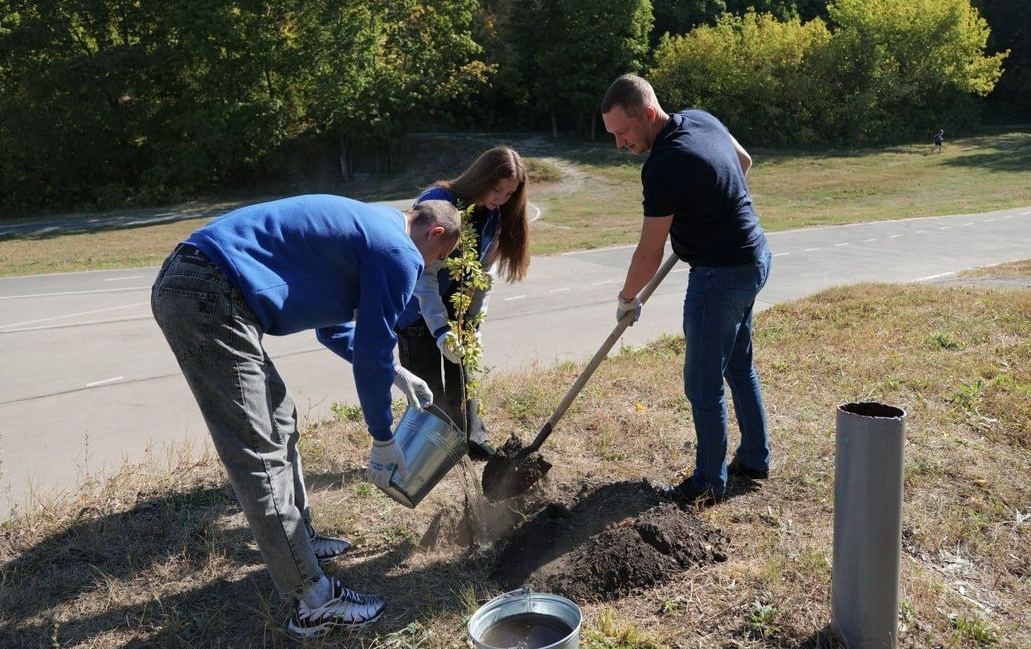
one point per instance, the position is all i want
(600, 355)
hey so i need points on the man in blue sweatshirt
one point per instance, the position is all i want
(278, 268)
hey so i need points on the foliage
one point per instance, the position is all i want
(378, 68)
(677, 18)
(909, 67)
(567, 52)
(465, 269)
(110, 102)
(758, 74)
(878, 70)
(1009, 20)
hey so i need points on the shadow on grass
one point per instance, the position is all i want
(182, 569)
(1010, 153)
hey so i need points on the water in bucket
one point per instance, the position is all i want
(523, 619)
(526, 631)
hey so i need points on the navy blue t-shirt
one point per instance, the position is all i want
(693, 173)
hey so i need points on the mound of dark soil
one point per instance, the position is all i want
(608, 541)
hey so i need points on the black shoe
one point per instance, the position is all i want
(481, 451)
(736, 468)
(687, 494)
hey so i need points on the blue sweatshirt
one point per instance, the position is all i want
(311, 262)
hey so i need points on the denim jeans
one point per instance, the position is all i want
(216, 339)
(718, 330)
(418, 352)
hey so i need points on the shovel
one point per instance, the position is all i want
(514, 469)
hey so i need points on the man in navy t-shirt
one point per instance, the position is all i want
(695, 193)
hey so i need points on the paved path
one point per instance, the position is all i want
(88, 382)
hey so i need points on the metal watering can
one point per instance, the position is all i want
(432, 445)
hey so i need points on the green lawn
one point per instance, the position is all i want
(589, 194)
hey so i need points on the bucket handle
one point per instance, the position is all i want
(439, 412)
(518, 592)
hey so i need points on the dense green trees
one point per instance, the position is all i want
(876, 71)
(116, 102)
(561, 55)
(1010, 22)
(755, 72)
(111, 101)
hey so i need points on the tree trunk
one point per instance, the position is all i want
(554, 124)
(345, 159)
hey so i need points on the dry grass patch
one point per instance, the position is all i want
(160, 557)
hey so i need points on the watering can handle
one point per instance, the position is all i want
(600, 355)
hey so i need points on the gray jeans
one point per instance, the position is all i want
(216, 339)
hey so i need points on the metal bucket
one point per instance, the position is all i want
(527, 620)
(432, 445)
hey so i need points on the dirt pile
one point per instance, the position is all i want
(605, 542)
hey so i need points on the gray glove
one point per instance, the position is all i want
(384, 459)
(623, 307)
(415, 389)
(452, 351)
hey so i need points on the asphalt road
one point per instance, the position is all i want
(88, 382)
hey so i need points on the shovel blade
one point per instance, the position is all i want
(512, 470)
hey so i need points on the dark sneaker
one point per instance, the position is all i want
(736, 468)
(327, 548)
(346, 609)
(687, 494)
(481, 451)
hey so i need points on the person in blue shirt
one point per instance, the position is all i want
(495, 185)
(277, 268)
(695, 194)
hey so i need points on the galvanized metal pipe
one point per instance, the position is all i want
(868, 479)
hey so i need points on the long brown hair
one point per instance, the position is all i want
(513, 250)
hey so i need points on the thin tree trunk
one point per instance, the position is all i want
(345, 159)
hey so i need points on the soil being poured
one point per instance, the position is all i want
(512, 470)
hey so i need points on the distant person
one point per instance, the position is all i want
(938, 139)
(275, 269)
(696, 195)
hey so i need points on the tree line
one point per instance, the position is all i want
(108, 103)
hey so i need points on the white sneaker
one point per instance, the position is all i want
(326, 547)
(344, 609)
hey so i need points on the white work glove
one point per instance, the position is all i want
(384, 459)
(452, 351)
(623, 307)
(415, 389)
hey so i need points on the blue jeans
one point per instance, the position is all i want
(718, 330)
(216, 339)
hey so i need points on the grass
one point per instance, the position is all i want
(160, 555)
(589, 194)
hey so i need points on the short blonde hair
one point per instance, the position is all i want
(632, 93)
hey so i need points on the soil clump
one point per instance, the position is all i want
(605, 541)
